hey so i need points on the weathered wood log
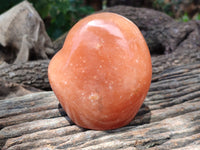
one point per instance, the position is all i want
(168, 119)
(9, 89)
(162, 33)
(23, 36)
(30, 73)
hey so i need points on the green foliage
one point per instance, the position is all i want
(171, 7)
(185, 18)
(197, 17)
(166, 7)
(5, 5)
(59, 15)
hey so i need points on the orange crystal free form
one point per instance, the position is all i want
(102, 74)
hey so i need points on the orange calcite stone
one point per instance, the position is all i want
(102, 74)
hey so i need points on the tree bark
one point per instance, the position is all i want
(10, 89)
(162, 33)
(32, 73)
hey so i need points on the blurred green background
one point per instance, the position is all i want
(60, 15)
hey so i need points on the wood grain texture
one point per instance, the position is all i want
(168, 119)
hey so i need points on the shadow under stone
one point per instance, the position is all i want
(63, 113)
(143, 117)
